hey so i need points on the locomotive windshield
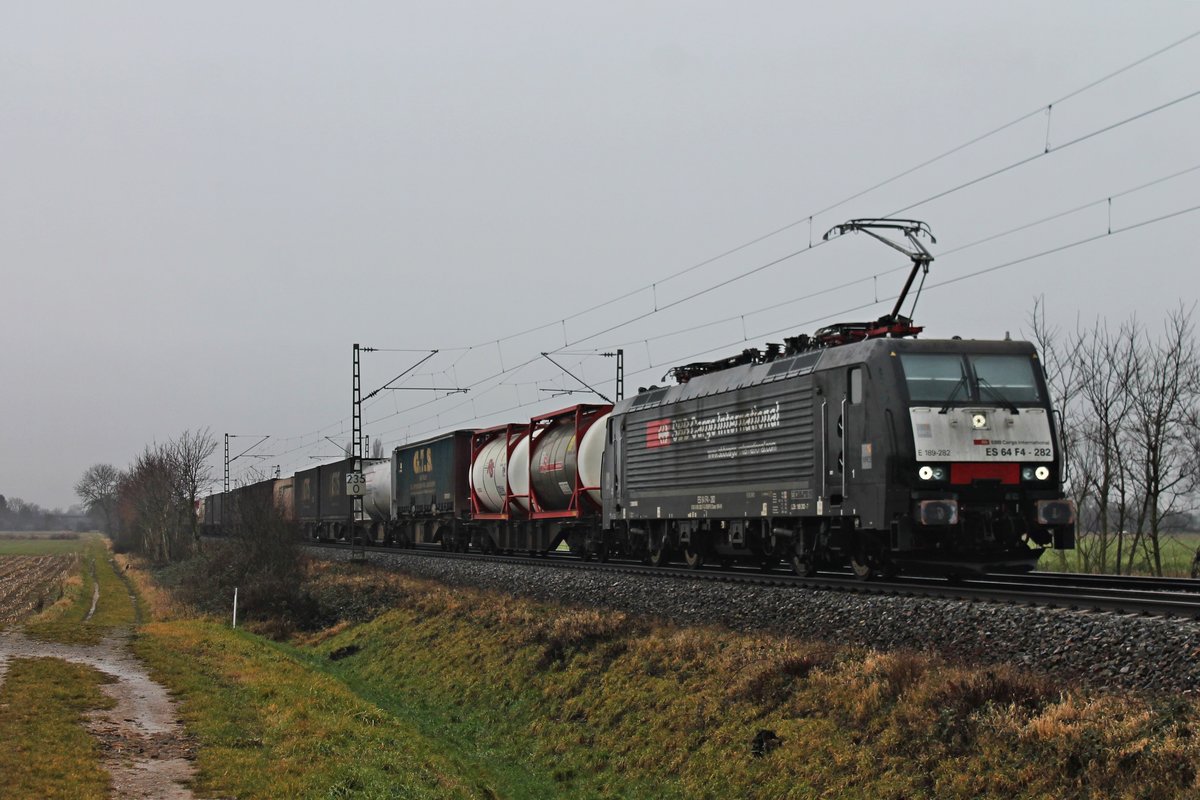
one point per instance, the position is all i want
(949, 378)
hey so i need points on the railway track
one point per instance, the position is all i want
(1166, 597)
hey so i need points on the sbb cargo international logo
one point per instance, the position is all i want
(658, 433)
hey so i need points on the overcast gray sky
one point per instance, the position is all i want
(204, 205)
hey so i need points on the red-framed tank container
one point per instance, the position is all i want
(512, 434)
(553, 438)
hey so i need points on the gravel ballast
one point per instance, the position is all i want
(1094, 649)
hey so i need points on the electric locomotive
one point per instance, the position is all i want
(859, 445)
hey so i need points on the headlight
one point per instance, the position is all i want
(979, 421)
(1035, 473)
(928, 473)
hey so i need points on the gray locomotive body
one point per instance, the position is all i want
(876, 453)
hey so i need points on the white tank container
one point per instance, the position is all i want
(518, 473)
(591, 456)
(489, 475)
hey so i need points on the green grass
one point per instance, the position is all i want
(68, 623)
(270, 726)
(1178, 550)
(39, 546)
(46, 752)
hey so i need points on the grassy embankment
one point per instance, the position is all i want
(46, 751)
(455, 692)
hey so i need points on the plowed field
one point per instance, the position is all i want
(27, 583)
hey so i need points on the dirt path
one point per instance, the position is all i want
(145, 748)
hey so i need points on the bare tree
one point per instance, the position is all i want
(191, 453)
(97, 488)
(1107, 363)
(377, 448)
(153, 504)
(1167, 392)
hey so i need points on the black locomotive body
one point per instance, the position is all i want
(879, 453)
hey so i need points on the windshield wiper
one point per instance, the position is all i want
(961, 383)
(983, 384)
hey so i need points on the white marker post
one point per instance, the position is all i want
(235, 606)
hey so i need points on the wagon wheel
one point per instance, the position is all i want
(693, 556)
(660, 555)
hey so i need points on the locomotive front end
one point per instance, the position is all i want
(984, 475)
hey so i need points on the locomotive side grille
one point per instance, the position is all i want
(761, 436)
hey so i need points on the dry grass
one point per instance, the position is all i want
(159, 603)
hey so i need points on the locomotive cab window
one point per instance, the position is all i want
(935, 378)
(952, 378)
(1006, 378)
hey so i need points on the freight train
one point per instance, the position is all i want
(859, 446)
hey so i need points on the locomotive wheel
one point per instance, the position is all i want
(661, 556)
(768, 563)
(871, 560)
(693, 557)
(864, 570)
(805, 566)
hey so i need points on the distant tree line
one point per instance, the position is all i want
(151, 506)
(19, 515)
(1130, 405)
